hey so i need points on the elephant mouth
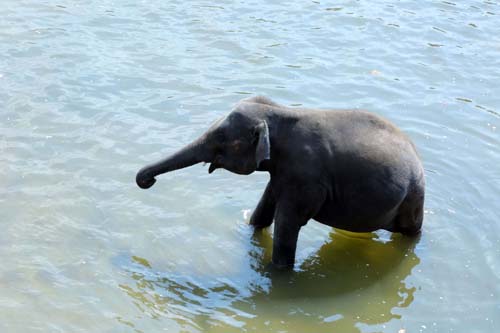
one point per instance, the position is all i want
(213, 167)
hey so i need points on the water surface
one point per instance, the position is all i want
(90, 91)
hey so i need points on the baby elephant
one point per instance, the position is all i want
(348, 169)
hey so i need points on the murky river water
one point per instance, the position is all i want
(90, 91)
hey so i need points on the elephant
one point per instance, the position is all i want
(348, 169)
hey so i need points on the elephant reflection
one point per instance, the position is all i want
(349, 281)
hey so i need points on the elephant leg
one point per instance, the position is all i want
(264, 212)
(410, 214)
(286, 234)
(292, 213)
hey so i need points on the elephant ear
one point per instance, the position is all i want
(263, 150)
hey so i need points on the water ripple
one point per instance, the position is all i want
(91, 91)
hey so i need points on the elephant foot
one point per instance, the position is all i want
(278, 270)
(282, 267)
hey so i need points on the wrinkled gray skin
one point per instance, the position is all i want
(344, 168)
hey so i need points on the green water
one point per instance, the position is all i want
(90, 91)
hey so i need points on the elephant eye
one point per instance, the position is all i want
(236, 145)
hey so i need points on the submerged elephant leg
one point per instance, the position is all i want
(293, 210)
(410, 214)
(286, 234)
(264, 212)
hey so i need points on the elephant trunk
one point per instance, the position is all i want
(193, 153)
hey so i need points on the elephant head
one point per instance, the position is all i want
(237, 143)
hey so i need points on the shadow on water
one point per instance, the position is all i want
(351, 281)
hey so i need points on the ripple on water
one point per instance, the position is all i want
(90, 92)
(342, 266)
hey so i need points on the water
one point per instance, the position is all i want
(90, 91)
